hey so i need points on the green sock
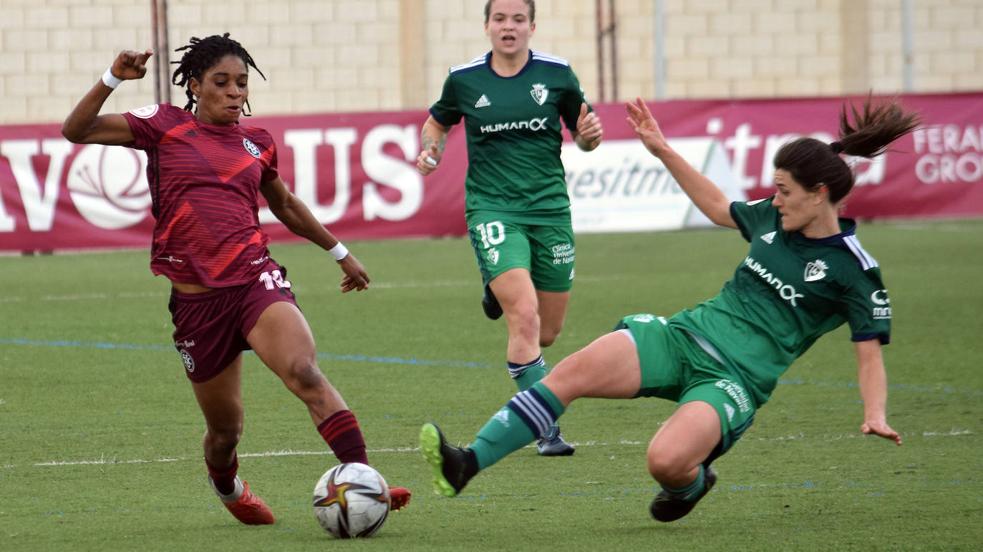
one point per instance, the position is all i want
(691, 491)
(512, 427)
(527, 374)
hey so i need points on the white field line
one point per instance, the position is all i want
(376, 285)
(108, 461)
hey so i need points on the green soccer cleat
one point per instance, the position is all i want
(452, 466)
(666, 507)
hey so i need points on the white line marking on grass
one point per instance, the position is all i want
(476, 283)
(377, 285)
(951, 433)
(104, 461)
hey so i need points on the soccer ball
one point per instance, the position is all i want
(351, 501)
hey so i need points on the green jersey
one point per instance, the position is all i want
(788, 291)
(514, 135)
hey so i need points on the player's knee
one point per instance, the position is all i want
(548, 335)
(224, 438)
(305, 378)
(665, 466)
(524, 320)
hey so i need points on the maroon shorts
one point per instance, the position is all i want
(210, 328)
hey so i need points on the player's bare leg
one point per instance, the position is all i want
(520, 302)
(220, 400)
(283, 341)
(676, 459)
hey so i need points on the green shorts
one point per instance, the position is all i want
(546, 251)
(675, 367)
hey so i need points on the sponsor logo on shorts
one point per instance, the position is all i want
(730, 412)
(250, 147)
(737, 393)
(563, 253)
(643, 318)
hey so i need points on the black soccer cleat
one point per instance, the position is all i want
(452, 466)
(666, 507)
(489, 304)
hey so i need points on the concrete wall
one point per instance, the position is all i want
(367, 55)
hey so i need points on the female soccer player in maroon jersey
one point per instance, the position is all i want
(206, 172)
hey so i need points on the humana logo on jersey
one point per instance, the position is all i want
(786, 291)
(535, 125)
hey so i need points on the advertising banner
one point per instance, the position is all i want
(356, 172)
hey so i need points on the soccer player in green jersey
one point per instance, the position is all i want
(805, 274)
(513, 100)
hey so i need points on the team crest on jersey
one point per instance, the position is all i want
(493, 256)
(250, 147)
(145, 112)
(539, 93)
(816, 270)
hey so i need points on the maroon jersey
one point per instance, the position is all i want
(204, 181)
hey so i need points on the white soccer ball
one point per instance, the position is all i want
(351, 501)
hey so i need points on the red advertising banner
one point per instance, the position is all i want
(356, 171)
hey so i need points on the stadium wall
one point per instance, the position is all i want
(370, 55)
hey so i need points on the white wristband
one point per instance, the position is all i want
(110, 80)
(339, 251)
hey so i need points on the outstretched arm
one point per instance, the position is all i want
(84, 125)
(295, 215)
(705, 194)
(873, 390)
(433, 138)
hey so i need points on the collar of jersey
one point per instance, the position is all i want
(847, 226)
(528, 64)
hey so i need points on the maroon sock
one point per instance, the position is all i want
(343, 435)
(224, 478)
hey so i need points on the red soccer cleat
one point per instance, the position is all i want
(399, 497)
(250, 509)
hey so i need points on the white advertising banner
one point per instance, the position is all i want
(623, 188)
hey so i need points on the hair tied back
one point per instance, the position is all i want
(837, 147)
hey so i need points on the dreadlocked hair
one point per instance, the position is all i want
(200, 55)
(813, 163)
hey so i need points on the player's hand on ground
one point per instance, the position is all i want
(646, 127)
(881, 429)
(130, 65)
(589, 127)
(428, 160)
(355, 275)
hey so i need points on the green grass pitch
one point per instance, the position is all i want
(100, 434)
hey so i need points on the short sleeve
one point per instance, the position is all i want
(148, 124)
(570, 104)
(752, 216)
(445, 111)
(868, 308)
(270, 170)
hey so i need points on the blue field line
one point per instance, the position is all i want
(321, 356)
